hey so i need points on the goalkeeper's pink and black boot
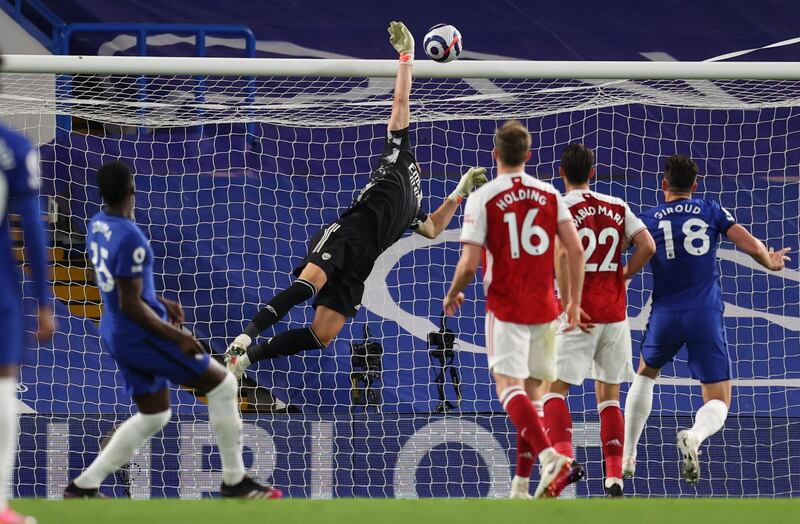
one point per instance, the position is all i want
(74, 492)
(250, 489)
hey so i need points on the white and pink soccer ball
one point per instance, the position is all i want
(443, 43)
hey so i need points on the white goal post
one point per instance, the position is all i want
(239, 161)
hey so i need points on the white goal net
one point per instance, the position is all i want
(235, 173)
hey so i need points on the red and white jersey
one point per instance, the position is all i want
(515, 219)
(605, 226)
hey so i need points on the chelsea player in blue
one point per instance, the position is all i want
(19, 193)
(144, 335)
(687, 308)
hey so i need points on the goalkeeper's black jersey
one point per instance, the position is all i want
(390, 203)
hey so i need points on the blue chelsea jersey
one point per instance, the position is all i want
(19, 178)
(118, 248)
(685, 268)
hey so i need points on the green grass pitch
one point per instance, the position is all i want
(438, 511)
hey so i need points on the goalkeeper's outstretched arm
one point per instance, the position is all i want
(439, 219)
(402, 40)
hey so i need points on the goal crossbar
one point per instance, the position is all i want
(279, 67)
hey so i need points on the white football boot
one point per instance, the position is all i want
(550, 470)
(628, 467)
(690, 450)
(519, 489)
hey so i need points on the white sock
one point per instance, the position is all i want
(538, 405)
(120, 449)
(637, 408)
(9, 427)
(223, 413)
(709, 419)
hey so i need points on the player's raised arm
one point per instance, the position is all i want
(769, 258)
(403, 41)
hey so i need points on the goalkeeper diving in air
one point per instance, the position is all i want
(341, 256)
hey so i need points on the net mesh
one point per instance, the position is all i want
(235, 174)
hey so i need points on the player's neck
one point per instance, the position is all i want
(671, 196)
(118, 211)
(510, 170)
(576, 187)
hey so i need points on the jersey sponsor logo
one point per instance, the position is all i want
(416, 185)
(519, 195)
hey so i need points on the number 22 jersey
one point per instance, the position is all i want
(685, 268)
(119, 249)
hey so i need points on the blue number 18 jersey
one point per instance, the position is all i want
(685, 269)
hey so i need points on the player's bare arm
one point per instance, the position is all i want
(465, 273)
(131, 304)
(644, 249)
(174, 311)
(402, 40)
(568, 236)
(768, 258)
(562, 279)
(438, 221)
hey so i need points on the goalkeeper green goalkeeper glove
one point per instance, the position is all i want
(472, 179)
(402, 40)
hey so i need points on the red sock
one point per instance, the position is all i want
(525, 457)
(524, 417)
(612, 436)
(559, 423)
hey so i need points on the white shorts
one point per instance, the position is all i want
(604, 354)
(521, 350)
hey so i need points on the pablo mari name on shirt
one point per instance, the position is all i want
(601, 210)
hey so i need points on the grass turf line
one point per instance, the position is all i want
(438, 511)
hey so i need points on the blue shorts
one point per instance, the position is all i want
(12, 326)
(702, 332)
(149, 364)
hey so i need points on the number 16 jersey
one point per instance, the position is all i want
(685, 268)
(119, 249)
(515, 219)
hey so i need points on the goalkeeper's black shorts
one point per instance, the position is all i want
(347, 258)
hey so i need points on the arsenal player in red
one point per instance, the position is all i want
(512, 223)
(602, 350)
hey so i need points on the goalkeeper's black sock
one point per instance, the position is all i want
(300, 291)
(284, 344)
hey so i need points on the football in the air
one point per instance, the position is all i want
(443, 43)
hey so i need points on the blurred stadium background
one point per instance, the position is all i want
(229, 206)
